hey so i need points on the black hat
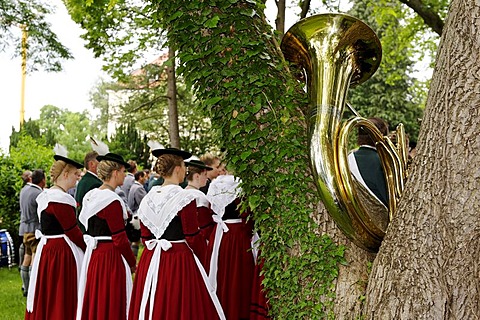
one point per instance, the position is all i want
(115, 158)
(177, 152)
(198, 164)
(69, 161)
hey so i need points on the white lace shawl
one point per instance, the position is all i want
(200, 198)
(97, 199)
(222, 191)
(161, 205)
(53, 195)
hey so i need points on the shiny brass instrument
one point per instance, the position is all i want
(337, 51)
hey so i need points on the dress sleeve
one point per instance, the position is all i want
(145, 233)
(65, 214)
(205, 221)
(113, 215)
(191, 230)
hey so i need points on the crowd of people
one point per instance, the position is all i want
(82, 237)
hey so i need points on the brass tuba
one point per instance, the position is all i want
(335, 52)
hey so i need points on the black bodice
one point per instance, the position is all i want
(231, 211)
(98, 227)
(50, 224)
(174, 230)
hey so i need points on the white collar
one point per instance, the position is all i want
(35, 185)
(368, 147)
(53, 195)
(97, 199)
(93, 174)
(161, 205)
(222, 191)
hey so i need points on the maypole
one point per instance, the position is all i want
(24, 74)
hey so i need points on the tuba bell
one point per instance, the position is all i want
(337, 51)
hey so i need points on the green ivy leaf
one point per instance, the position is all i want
(212, 23)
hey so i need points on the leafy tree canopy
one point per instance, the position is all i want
(392, 93)
(62, 126)
(44, 51)
(142, 102)
(120, 31)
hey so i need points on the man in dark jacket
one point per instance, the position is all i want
(88, 182)
(366, 166)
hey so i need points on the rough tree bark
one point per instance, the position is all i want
(427, 267)
(352, 278)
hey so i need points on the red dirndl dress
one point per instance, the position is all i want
(259, 306)
(179, 290)
(55, 293)
(235, 266)
(106, 293)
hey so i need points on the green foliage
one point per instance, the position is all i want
(30, 155)
(230, 58)
(9, 209)
(106, 22)
(68, 128)
(128, 143)
(43, 48)
(26, 155)
(30, 128)
(391, 93)
(99, 100)
(146, 108)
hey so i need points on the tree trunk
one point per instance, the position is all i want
(351, 283)
(427, 267)
(305, 6)
(280, 20)
(172, 101)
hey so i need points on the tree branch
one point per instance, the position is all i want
(430, 17)
(305, 5)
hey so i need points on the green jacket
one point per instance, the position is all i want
(87, 183)
(370, 168)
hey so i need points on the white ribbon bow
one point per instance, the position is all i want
(220, 222)
(151, 279)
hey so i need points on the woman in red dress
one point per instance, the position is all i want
(171, 283)
(230, 249)
(196, 179)
(52, 293)
(106, 282)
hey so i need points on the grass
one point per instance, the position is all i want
(12, 302)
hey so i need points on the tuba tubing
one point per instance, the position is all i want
(337, 51)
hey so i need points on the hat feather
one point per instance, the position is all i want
(98, 146)
(60, 150)
(153, 144)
